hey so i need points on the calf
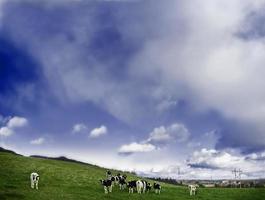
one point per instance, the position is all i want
(107, 184)
(192, 189)
(131, 185)
(34, 180)
(157, 188)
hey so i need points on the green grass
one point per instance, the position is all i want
(66, 180)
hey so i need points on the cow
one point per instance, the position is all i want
(148, 187)
(192, 189)
(144, 185)
(122, 181)
(112, 178)
(108, 175)
(34, 180)
(157, 188)
(140, 186)
(107, 184)
(116, 179)
(131, 185)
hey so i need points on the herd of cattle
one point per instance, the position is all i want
(141, 186)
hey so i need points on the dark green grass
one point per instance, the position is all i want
(66, 180)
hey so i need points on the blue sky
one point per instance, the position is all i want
(136, 85)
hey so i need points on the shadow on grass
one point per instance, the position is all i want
(8, 196)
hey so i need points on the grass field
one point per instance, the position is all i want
(67, 180)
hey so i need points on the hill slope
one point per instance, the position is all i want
(69, 180)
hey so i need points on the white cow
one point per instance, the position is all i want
(140, 186)
(192, 189)
(34, 180)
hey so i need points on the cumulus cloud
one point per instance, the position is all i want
(97, 132)
(37, 141)
(136, 148)
(175, 132)
(16, 122)
(10, 124)
(256, 156)
(211, 158)
(162, 135)
(215, 162)
(79, 128)
(5, 131)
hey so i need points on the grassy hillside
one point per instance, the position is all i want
(68, 180)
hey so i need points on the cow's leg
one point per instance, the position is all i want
(32, 184)
(110, 188)
(106, 189)
(37, 185)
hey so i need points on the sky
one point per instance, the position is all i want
(163, 88)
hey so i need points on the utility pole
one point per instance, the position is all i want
(237, 173)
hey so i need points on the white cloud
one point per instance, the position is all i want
(16, 122)
(214, 66)
(136, 148)
(175, 132)
(161, 135)
(5, 131)
(10, 124)
(211, 158)
(97, 132)
(38, 141)
(78, 128)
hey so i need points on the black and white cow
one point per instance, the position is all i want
(157, 188)
(144, 185)
(107, 184)
(34, 180)
(108, 175)
(148, 187)
(116, 179)
(122, 181)
(113, 181)
(131, 185)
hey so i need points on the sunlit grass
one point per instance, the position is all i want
(66, 180)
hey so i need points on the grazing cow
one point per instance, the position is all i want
(122, 181)
(131, 185)
(192, 189)
(34, 180)
(148, 187)
(107, 184)
(157, 188)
